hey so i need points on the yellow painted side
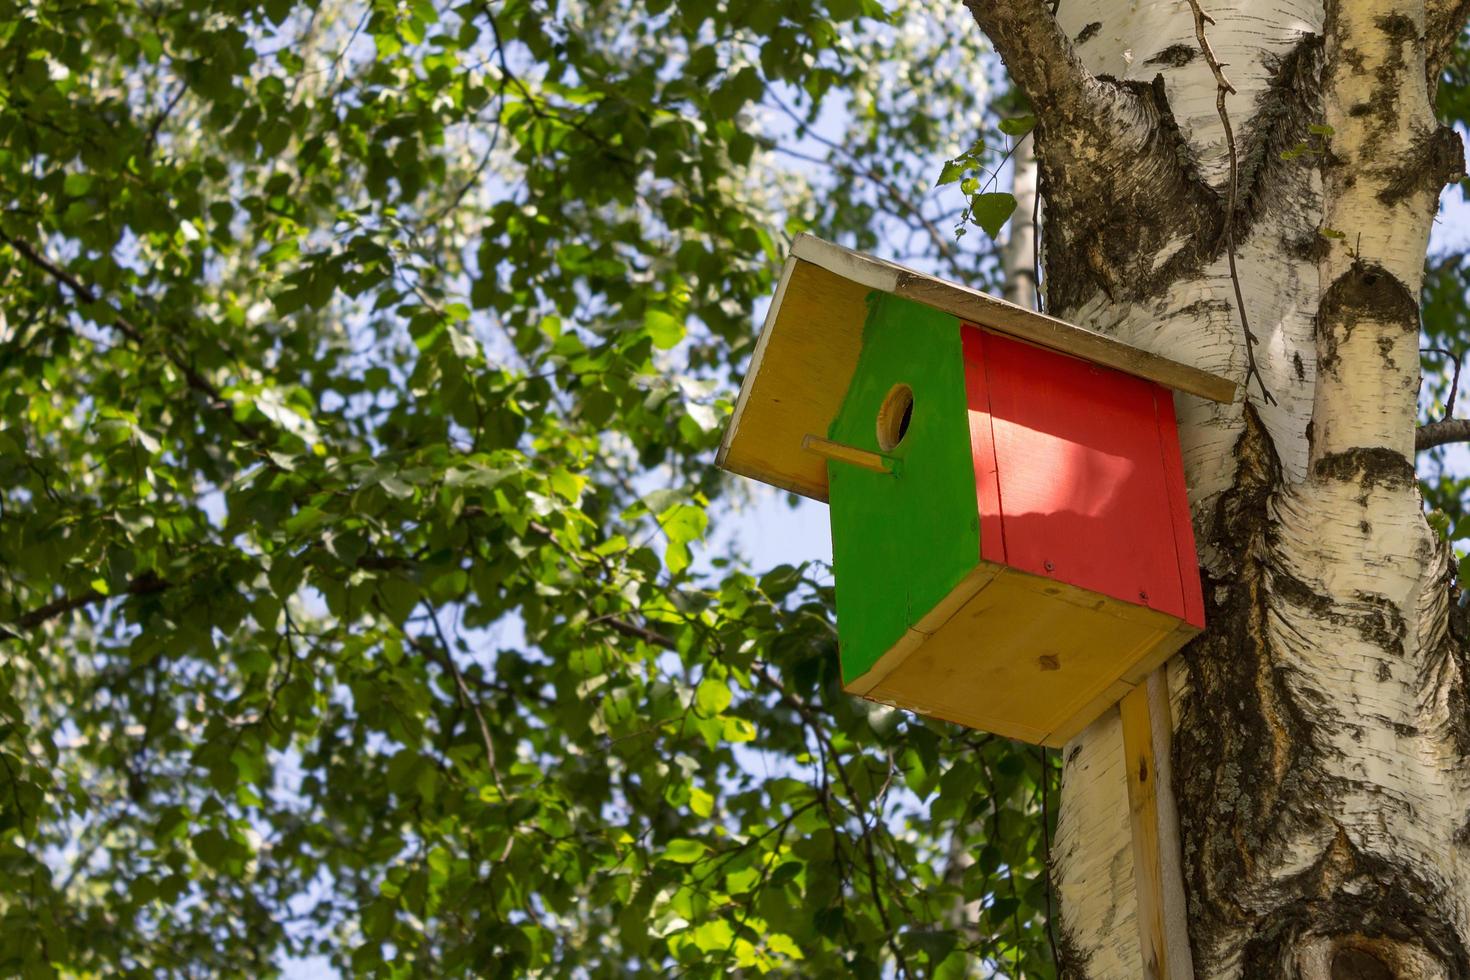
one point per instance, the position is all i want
(931, 623)
(1023, 656)
(798, 381)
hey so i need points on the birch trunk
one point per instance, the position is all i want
(1321, 737)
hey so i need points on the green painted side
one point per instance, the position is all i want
(901, 543)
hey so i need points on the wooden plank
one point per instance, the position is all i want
(982, 446)
(798, 376)
(1157, 865)
(1171, 852)
(1022, 656)
(1008, 318)
(1138, 753)
(808, 349)
(1081, 476)
(757, 361)
(1183, 526)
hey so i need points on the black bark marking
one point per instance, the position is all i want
(1174, 56)
(1283, 111)
(1436, 158)
(1378, 621)
(1118, 211)
(1385, 351)
(1113, 214)
(1310, 247)
(1244, 752)
(1297, 366)
(1365, 902)
(1368, 292)
(1399, 27)
(1367, 289)
(1088, 33)
(1075, 960)
(1369, 467)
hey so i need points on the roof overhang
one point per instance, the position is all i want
(808, 350)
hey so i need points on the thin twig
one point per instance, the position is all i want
(1223, 88)
(814, 725)
(466, 699)
(159, 119)
(130, 330)
(895, 194)
(1449, 405)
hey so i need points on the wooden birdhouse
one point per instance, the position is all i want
(1012, 543)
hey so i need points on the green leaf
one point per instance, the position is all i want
(953, 171)
(665, 329)
(992, 211)
(1017, 125)
(712, 696)
(684, 851)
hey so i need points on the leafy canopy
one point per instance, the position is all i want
(361, 369)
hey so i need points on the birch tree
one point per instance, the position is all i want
(1250, 188)
(367, 592)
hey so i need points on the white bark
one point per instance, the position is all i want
(1018, 257)
(1322, 750)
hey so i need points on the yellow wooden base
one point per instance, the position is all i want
(1022, 656)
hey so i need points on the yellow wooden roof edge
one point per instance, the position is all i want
(1005, 317)
(757, 359)
(818, 333)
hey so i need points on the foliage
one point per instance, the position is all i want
(362, 368)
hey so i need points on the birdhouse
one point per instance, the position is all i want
(1012, 543)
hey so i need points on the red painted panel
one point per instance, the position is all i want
(1194, 603)
(1080, 474)
(982, 446)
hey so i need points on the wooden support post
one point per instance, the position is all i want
(1158, 879)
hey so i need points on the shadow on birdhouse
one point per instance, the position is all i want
(1012, 543)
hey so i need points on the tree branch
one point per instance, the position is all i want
(1443, 22)
(1223, 88)
(466, 698)
(1040, 58)
(130, 330)
(1106, 147)
(637, 632)
(1441, 433)
(145, 584)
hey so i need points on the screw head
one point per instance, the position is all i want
(1048, 565)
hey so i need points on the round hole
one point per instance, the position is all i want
(894, 416)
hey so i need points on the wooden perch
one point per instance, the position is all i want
(851, 455)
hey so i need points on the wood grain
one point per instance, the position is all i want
(1022, 656)
(1138, 752)
(1157, 872)
(1017, 321)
